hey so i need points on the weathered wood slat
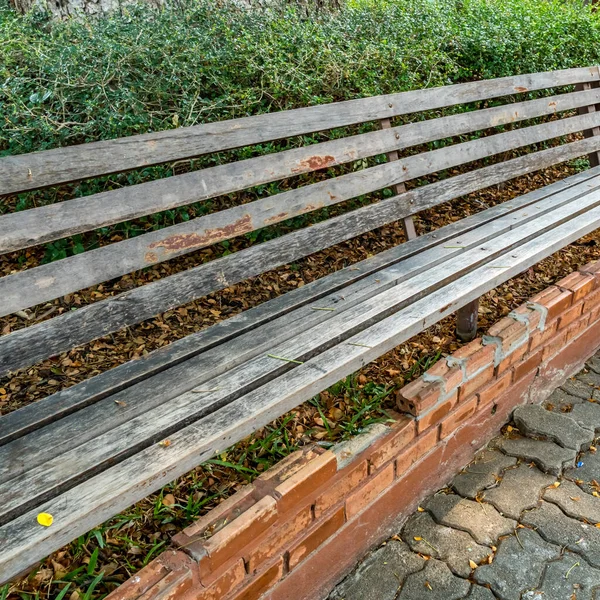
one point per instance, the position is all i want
(65, 402)
(40, 341)
(75, 430)
(53, 280)
(430, 271)
(51, 222)
(51, 167)
(22, 542)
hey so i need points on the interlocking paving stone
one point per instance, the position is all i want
(481, 520)
(594, 364)
(579, 388)
(454, 547)
(590, 377)
(548, 456)
(482, 472)
(587, 414)
(574, 502)
(570, 577)
(556, 556)
(434, 582)
(518, 565)
(520, 489)
(554, 526)
(380, 575)
(535, 420)
(560, 398)
(587, 473)
(480, 593)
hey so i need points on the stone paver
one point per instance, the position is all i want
(435, 581)
(559, 398)
(520, 489)
(579, 388)
(570, 577)
(573, 502)
(554, 526)
(481, 520)
(541, 538)
(587, 472)
(380, 575)
(535, 420)
(593, 364)
(455, 548)
(518, 566)
(480, 593)
(587, 414)
(548, 456)
(482, 473)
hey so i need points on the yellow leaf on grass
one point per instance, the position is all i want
(473, 564)
(168, 500)
(45, 519)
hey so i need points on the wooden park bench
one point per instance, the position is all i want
(86, 453)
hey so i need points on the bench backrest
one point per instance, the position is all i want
(44, 283)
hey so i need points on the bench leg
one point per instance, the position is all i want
(466, 321)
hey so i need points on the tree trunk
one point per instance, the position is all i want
(63, 9)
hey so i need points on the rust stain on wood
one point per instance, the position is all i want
(314, 162)
(189, 241)
(276, 218)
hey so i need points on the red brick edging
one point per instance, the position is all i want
(301, 526)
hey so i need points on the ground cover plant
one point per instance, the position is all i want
(146, 70)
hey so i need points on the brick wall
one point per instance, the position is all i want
(302, 525)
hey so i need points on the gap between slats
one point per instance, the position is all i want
(48, 282)
(26, 346)
(117, 443)
(80, 509)
(54, 221)
(42, 169)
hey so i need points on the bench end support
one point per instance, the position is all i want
(466, 321)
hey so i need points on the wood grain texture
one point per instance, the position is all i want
(77, 429)
(56, 279)
(51, 222)
(50, 167)
(81, 395)
(45, 339)
(408, 282)
(76, 511)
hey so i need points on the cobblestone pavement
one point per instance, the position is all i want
(521, 522)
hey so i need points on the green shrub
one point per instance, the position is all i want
(67, 83)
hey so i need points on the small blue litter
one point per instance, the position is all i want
(580, 464)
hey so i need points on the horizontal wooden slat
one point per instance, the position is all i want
(53, 280)
(76, 429)
(65, 402)
(40, 341)
(47, 223)
(430, 271)
(42, 169)
(22, 542)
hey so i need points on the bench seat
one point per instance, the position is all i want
(99, 455)
(87, 452)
